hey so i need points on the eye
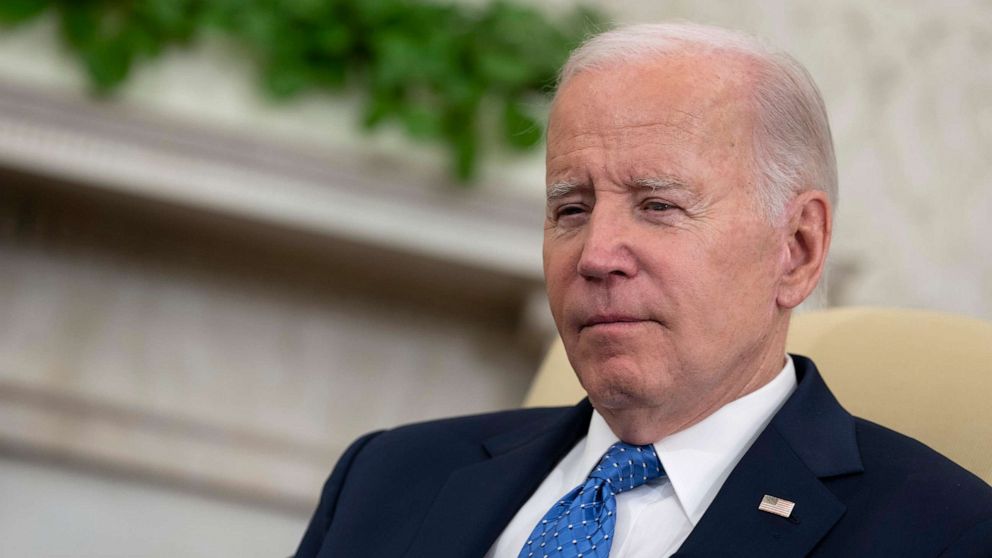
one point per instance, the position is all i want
(571, 209)
(569, 215)
(656, 206)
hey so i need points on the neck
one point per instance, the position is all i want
(646, 425)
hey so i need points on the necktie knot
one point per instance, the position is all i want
(625, 467)
(582, 523)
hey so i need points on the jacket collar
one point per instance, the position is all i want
(818, 429)
(571, 427)
(811, 438)
(478, 501)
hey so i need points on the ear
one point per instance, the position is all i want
(808, 228)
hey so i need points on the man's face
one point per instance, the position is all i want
(661, 270)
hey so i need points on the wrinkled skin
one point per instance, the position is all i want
(670, 287)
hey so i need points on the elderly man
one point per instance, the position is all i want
(691, 184)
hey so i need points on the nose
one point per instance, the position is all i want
(606, 245)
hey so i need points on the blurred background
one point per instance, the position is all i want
(235, 235)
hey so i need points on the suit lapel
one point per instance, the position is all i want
(478, 501)
(733, 525)
(810, 438)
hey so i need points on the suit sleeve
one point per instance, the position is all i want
(976, 542)
(313, 539)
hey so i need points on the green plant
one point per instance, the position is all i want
(432, 67)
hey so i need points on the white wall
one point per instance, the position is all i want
(48, 511)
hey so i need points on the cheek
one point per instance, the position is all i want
(682, 274)
(559, 272)
(741, 275)
(706, 284)
(757, 266)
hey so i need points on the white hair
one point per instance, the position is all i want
(792, 147)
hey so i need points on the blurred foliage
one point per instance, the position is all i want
(434, 68)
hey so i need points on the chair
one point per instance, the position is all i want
(925, 374)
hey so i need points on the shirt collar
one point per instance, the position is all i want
(699, 459)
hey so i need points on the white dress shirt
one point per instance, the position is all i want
(654, 520)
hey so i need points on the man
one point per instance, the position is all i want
(691, 184)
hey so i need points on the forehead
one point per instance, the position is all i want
(634, 116)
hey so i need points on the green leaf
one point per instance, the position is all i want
(285, 79)
(168, 17)
(331, 74)
(79, 25)
(463, 140)
(522, 130)
(465, 154)
(260, 28)
(436, 67)
(422, 123)
(396, 58)
(503, 69)
(20, 11)
(141, 42)
(221, 15)
(334, 39)
(108, 63)
(375, 113)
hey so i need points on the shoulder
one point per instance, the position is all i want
(912, 494)
(897, 459)
(465, 433)
(413, 460)
(892, 463)
(425, 453)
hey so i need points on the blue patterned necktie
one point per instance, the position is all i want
(581, 524)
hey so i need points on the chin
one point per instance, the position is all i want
(620, 385)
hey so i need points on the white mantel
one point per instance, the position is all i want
(123, 364)
(105, 146)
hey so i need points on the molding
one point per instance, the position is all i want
(347, 203)
(336, 195)
(239, 464)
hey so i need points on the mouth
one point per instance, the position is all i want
(613, 321)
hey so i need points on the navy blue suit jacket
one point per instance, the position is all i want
(448, 488)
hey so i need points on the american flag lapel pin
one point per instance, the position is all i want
(777, 506)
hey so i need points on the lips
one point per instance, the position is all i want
(611, 319)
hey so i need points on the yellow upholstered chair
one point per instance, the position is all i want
(925, 374)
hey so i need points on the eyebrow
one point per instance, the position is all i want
(661, 183)
(563, 188)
